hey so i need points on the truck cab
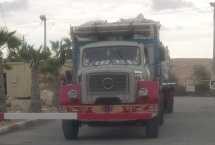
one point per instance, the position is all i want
(109, 71)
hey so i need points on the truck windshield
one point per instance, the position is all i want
(117, 55)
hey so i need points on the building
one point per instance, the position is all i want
(18, 80)
(182, 68)
(18, 85)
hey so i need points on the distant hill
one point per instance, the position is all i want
(182, 68)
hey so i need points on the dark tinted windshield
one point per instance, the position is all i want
(117, 55)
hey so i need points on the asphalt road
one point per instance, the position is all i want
(192, 123)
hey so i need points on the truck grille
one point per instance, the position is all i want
(108, 83)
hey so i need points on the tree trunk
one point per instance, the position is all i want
(2, 88)
(35, 90)
(56, 87)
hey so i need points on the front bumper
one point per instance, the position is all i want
(115, 117)
(114, 112)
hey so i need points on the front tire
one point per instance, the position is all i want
(170, 105)
(161, 117)
(70, 129)
(152, 128)
(169, 108)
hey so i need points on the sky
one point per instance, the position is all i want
(187, 25)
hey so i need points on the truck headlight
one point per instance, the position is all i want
(72, 94)
(138, 75)
(143, 92)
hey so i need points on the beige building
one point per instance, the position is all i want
(182, 68)
(18, 80)
(18, 86)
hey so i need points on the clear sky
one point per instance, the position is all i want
(187, 25)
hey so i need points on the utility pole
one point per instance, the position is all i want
(212, 82)
(213, 62)
(43, 18)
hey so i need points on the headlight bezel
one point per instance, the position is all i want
(72, 94)
(143, 92)
(138, 75)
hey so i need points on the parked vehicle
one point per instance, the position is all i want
(120, 76)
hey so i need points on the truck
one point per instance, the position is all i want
(120, 76)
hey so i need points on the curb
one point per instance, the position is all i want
(19, 125)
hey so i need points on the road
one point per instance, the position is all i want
(192, 123)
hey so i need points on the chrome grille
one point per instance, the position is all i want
(108, 82)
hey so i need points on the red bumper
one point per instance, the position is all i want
(114, 112)
(115, 117)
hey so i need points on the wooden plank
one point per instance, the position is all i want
(42, 116)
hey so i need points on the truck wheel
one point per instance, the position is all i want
(161, 111)
(70, 129)
(152, 128)
(169, 108)
(170, 102)
(161, 117)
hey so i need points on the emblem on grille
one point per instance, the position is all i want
(107, 83)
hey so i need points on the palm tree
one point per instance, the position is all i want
(62, 49)
(8, 40)
(36, 58)
(13, 48)
(41, 61)
(35, 90)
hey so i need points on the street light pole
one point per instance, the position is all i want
(43, 18)
(213, 62)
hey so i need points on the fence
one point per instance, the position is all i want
(196, 87)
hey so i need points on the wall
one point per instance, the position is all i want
(18, 80)
(19, 87)
(182, 68)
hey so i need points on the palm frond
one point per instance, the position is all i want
(8, 38)
(13, 42)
